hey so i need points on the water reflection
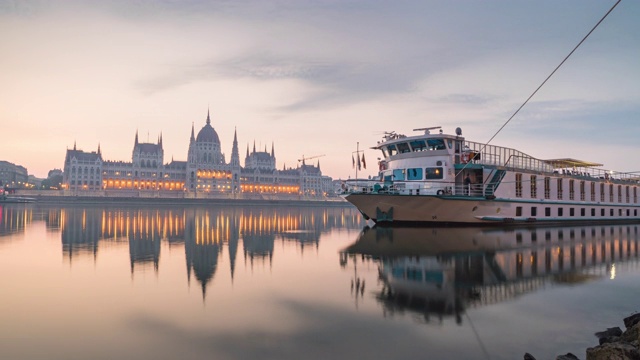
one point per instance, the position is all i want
(206, 233)
(439, 272)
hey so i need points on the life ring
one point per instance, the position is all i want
(465, 157)
(440, 192)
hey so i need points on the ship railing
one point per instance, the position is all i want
(517, 160)
(443, 188)
(507, 157)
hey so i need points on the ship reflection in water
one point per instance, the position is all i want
(440, 272)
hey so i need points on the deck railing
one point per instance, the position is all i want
(517, 160)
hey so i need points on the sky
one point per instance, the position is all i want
(317, 79)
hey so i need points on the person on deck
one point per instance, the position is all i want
(467, 185)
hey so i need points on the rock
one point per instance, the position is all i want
(632, 334)
(631, 320)
(613, 351)
(528, 356)
(609, 339)
(613, 331)
(567, 356)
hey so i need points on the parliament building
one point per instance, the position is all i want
(206, 171)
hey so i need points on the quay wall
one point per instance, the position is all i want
(177, 198)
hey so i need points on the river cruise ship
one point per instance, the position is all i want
(437, 178)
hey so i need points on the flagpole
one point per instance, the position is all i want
(358, 155)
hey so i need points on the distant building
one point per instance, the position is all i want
(205, 171)
(83, 170)
(12, 175)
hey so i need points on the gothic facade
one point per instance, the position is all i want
(205, 171)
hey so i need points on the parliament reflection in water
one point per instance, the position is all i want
(205, 233)
(437, 272)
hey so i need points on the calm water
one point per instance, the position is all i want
(301, 283)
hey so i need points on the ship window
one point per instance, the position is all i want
(418, 145)
(547, 188)
(398, 175)
(571, 212)
(547, 211)
(582, 212)
(571, 189)
(414, 174)
(392, 150)
(534, 211)
(593, 212)
(403, 148)
(434, 173)
(559, 211)
(518, 210)
(518, 185)
(601, 212)
(436, 144)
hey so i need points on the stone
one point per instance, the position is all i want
(629, 321)
(608, 339)
(613, 331)
(613, 351)
(567, 356)
(632, 334)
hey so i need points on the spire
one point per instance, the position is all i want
(273, 154)
(74, 145)
(136, 136)
(193, 138)
(235, 155)
(247, 150)
(254, 146)
(318, 164)
(265, 147)
(208, 118)
(99, 152)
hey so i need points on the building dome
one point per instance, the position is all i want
(208, 134)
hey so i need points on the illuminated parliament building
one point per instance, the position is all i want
(206, 171)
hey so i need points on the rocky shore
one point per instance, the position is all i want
(614, 344)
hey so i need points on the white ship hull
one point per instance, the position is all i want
(470, 210)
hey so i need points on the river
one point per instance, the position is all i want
(296, 282)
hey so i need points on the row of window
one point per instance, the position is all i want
(572, 212)
(597, 192)
(416, 145)
(430, 173)
(572, 233)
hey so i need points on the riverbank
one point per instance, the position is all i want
(614, 344)
(157, 198)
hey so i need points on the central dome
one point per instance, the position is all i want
(207, 133)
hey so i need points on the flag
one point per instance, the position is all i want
(353, 161)
(359, 164)
(364, 163)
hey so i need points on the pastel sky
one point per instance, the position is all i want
(316, 77)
